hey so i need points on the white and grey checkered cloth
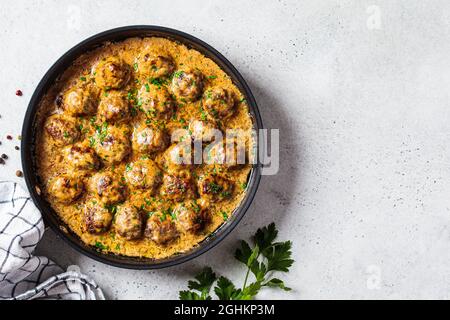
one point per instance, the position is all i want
(23, 275)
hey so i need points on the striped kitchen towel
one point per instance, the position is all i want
(22, 274)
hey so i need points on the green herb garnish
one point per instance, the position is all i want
(262, 259)
(224, 215)
(100, 246)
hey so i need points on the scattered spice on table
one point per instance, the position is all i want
(2, 161)
(17, 148)
(19, 137)
(19, 173)
(4, 156)
(19, 93)
(9, 137)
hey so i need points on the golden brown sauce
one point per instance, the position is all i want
(110, 91)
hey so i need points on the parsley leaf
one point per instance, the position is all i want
(261, 259)
(205, 280)
(225, 289)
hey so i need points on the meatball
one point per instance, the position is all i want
(155, 102)
(143, 174)
(187, 84)
(149, 140)
(81, 157)
(204, 131)
(154, 66)
(108, 187)
(112, 143)
(128, 222)
(66, 188)
(178, 156)
(190, 217)
(214, 188)
(63, 130)
(178, 187)
(219, 103)
(231, 154)
(160, 228)
(113, 107)
(80, 102)
(112, 73)
(97, 218)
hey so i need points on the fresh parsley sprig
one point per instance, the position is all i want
(262, 259)
(205, 280)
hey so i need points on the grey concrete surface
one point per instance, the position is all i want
(360, 92)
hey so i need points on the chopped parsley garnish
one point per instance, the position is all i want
(111, 208)
(178, 74)
(102, 132)
(157, 82)
(214, 187)
(100, 246)
(224, 215)
(91, 141)
(225, 194)
(203, 114)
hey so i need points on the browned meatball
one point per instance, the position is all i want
(112, 143)
(66, 188)
(214, 188)
(178, 186)
(143, 174)
(108, 187)
(190, 217)
(230, 154)
(63, 130)
(178, 156)
(187, 84)
(97, 218)
(204, 131)
(113, 107)
(149, 139)
(81, 157)
(219, 103)
(128, 222)
(112, 73)
(80, 101)
(160, 228)
(155, 102)
(154, 66)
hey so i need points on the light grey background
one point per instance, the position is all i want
(360, 92)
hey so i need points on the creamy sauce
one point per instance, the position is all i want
(51, 161)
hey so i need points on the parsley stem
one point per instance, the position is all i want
(246, 278)
(248, 272)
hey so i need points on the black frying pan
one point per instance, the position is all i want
(29, 128)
